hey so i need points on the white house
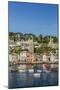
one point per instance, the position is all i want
(10, 57)
(23, 56)
(45, 58)
(13, 57)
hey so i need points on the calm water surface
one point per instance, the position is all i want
(26, 79)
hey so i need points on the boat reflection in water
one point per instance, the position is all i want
(33, 77)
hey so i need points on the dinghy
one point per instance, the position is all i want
(37, 75)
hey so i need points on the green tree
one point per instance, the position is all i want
(40, 38)
(46, 39)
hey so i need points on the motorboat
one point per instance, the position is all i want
(47, 71)
(39, 71)
(37, 75)
(31, 70)
(21, 70)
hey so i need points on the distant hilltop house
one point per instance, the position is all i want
(13, 44)
(37, 45)
(52, 44)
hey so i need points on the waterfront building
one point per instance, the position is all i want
(30, 57)
(13, 58)
(23, 56)
(45, 57)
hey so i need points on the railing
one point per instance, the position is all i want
(32, 63)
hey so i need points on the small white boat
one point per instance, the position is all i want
(39, 71)
(22, 70)
(37, 75)
(47, 71)
(31, 70)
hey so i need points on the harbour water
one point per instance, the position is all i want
(33, 79)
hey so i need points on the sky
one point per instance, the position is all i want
(33, 18)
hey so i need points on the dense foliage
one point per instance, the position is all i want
(40, 38)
